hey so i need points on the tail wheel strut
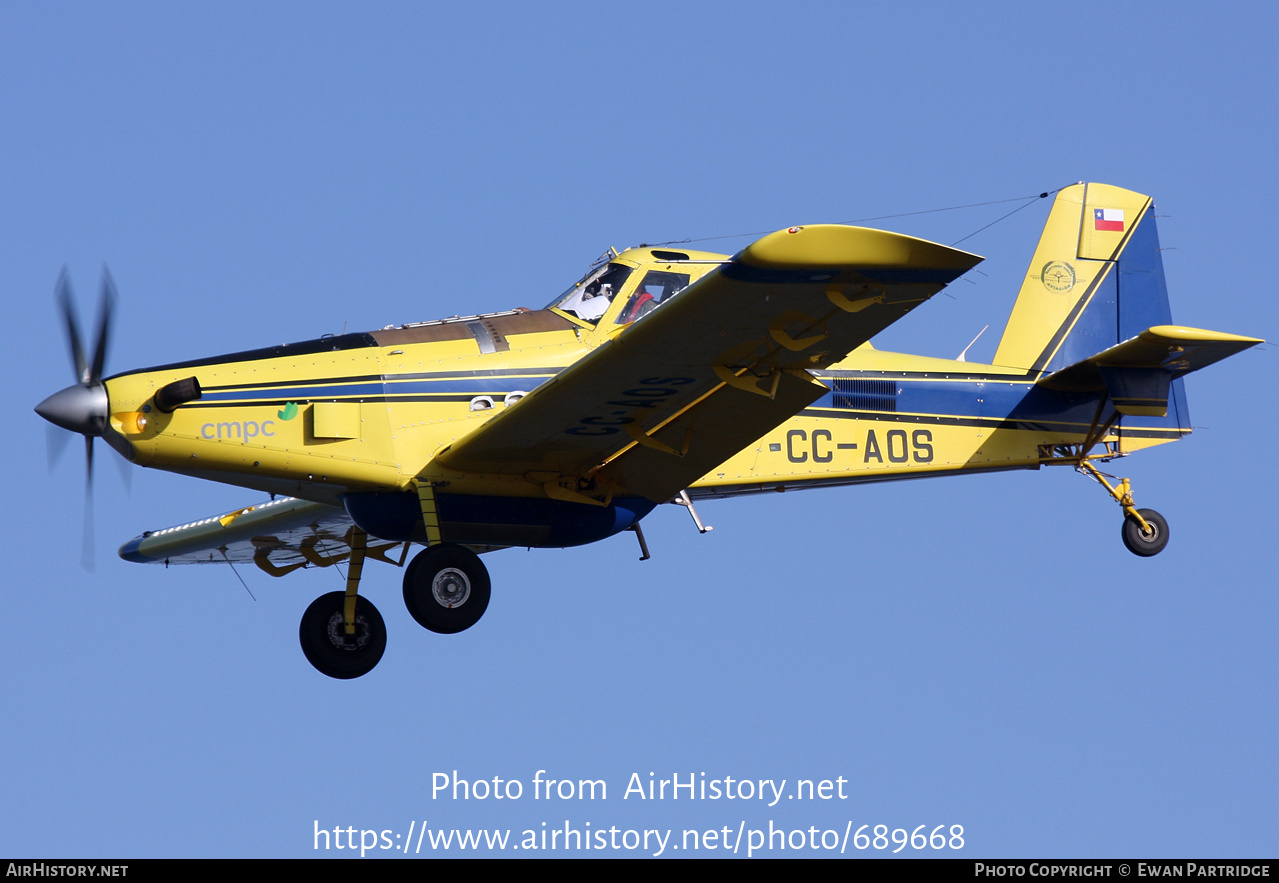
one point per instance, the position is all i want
(1145, 531)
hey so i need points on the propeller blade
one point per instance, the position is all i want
(55, 443)
(106, 307)
(67, 303)
(126, 473)
(83, 406)
(87, 540)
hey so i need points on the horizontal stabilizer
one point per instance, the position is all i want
(1136, 373)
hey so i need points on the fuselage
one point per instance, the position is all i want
(366, 413)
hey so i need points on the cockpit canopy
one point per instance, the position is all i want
(590, 297)
(645, 277)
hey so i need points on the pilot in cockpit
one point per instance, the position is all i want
(590, 298)
(594, 300)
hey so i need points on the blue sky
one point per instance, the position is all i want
(975, 651)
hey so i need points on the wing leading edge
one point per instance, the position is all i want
(279, 536)
(713, 368)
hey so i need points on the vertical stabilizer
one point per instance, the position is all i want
(1096, 279)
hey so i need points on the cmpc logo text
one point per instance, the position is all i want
(239, 431)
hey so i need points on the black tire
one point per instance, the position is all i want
(328, 647)
(1142, 543)
(446, 589)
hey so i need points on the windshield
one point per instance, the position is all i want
(589, 298)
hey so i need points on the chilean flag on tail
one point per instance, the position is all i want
(1108, 219)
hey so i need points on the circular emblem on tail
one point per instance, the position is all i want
(1057, 276)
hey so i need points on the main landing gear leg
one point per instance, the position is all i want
(1145, 531)
(342, 634)
(446, 586)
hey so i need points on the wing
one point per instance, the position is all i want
(713, 368)
(279, 537)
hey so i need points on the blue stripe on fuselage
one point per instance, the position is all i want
(992, 400)
(389, 386)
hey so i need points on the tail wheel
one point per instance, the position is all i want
(1146, 542)
(330, 649)
(446, 589)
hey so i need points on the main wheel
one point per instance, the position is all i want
(1146, 543)
(327, 645)
(446, 589)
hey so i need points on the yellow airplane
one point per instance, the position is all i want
(660, 376)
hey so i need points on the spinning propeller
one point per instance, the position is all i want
(83, 406)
